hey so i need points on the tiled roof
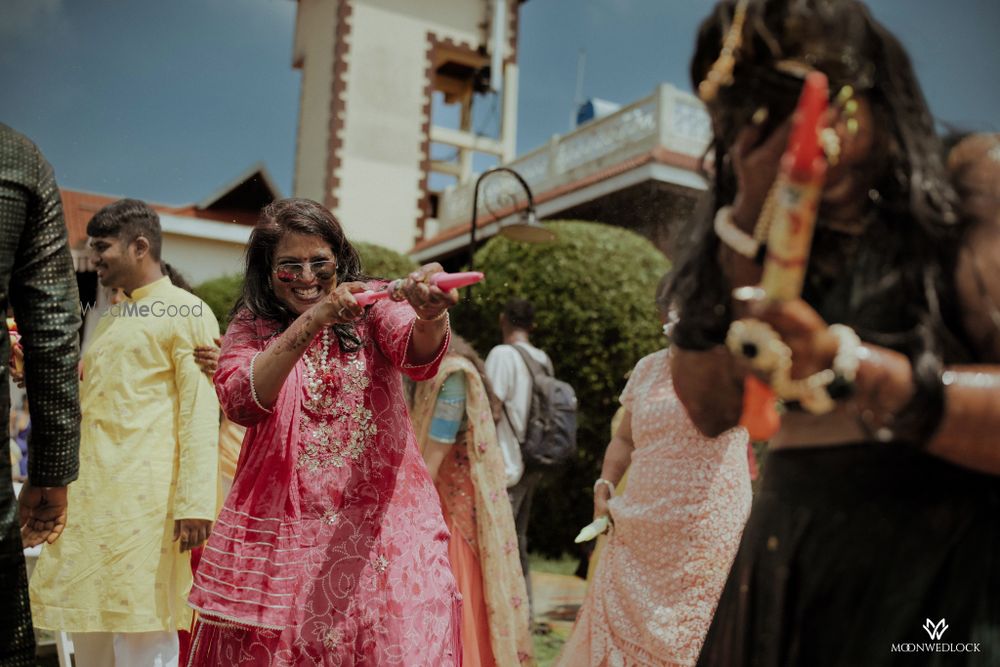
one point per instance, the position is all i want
(79, 207)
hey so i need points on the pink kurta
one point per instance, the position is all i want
(331, 548)
(676, 530)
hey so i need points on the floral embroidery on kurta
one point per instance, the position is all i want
(332, 534)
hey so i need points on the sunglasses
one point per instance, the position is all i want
(288, 272)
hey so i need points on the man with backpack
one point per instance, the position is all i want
(538, 427)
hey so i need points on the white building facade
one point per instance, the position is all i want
(369, 71)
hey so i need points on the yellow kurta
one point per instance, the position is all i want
(148, 455)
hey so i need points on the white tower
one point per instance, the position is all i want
(369, 71)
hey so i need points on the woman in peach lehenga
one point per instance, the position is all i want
(676, 528)
(453, 421)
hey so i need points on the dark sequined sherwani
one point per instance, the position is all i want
(37, 281)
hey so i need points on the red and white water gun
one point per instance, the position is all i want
(797, 189)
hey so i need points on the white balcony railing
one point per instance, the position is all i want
(669, 118)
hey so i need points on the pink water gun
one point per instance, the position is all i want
(442, 280)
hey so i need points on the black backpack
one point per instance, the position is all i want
(550, 432)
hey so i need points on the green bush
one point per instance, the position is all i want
(593, 290)
(382, 262)
(220, 294)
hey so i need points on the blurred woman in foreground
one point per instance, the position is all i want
(876, 516)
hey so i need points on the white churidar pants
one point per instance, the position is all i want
(126, 649)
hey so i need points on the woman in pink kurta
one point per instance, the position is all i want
(675, 531)
(331, 548)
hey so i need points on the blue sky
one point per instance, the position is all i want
(169, 100)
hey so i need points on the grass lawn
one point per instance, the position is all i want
(566, 565)
(547, 646)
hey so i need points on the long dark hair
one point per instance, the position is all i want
(913, 202)
(300, 216)
(177, 279)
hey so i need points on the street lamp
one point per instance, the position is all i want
(527, 230)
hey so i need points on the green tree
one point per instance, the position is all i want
(593, 289)
(381, 262)
(220, 294)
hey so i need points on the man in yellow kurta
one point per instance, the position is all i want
(120, 576)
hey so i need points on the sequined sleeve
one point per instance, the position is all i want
(242, 341)
(45, 300)
(392, 325)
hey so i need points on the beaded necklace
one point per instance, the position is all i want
(337, 427)
(319, 374)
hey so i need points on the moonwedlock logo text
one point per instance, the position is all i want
(154, 309)
(935, 631)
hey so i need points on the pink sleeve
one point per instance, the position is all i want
(392, 326)
(240, 345)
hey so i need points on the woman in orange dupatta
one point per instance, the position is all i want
(453, 420)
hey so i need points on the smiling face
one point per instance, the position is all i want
(292, 271)
(113, 260)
